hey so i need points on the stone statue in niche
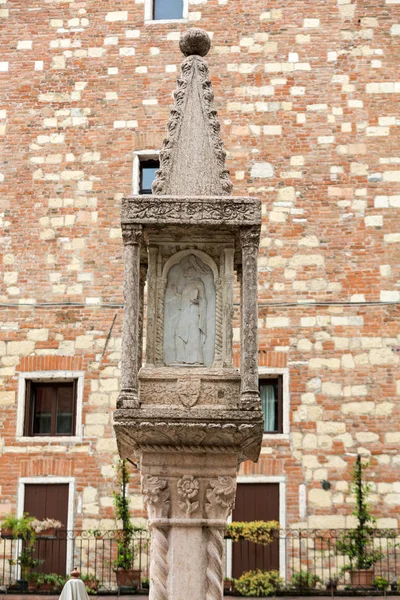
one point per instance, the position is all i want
(189, 315)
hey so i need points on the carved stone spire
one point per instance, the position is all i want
(192, 160)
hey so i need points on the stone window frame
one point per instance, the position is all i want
(263, 373)
(281, 480)
(149, 12)
(49, 376)
(138, 157)
(49, 479)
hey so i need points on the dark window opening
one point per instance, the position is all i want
(148, 170)
(167, 9)
(272, 404)
(50, 408)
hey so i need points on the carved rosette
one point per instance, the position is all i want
(188, 491)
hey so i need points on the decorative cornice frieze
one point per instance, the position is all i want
(165, 210)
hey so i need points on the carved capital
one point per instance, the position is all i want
(220, 497)
(250, 237)
(156, 496)
(131, 234)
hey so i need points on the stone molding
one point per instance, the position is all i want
(135, 431)
(164, 210)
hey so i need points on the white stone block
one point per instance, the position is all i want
(38, 335)
(127, 51)
(311, 23)
(272, 130)
(374, 221)
(3, 66)
(330, 388)
(262, 170)
(389, 296)
(377, 131)
(272, 322)
(120, 15)
(24, 45)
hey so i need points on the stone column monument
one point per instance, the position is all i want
(187, 417)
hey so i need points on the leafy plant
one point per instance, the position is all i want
(380, 583)
(145, 583)
(305, 580)
(125, 553)
(258, 583)
(21, 527)
(91, 583)
(259, 532)
(356, 543)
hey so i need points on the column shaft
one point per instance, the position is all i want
(132, 236)
(249, 327)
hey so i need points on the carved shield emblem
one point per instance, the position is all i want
(189, 391)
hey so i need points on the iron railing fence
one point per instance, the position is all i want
(92, 552)
(309, 560)
(316, 560)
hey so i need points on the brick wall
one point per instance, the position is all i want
(307, 94)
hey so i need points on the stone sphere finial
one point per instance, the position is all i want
(195, 41)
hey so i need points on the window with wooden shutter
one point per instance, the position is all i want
(50, 408)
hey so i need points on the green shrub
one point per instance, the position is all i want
(380, 583)
(258, 583)
(305, 580)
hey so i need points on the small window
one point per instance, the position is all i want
(148, 170)
(167, 9)
(272, 404)
(50, 408)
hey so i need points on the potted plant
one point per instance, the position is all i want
(46, 527)
(126, 575)
(17, 527)
(356, 543)
(145, 583)
(91, 583)
(332, 584)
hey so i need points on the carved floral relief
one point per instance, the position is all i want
(188, 490)
(220, 497)
(156, 496)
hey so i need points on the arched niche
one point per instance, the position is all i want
(190, 309)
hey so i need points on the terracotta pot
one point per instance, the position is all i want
(51, 532)
(46, 587)
(129, 578)
(32, 586)
(362, 578)
(7, 532)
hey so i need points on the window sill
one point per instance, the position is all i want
(165, 21)
(276, 436)
(46, 439)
